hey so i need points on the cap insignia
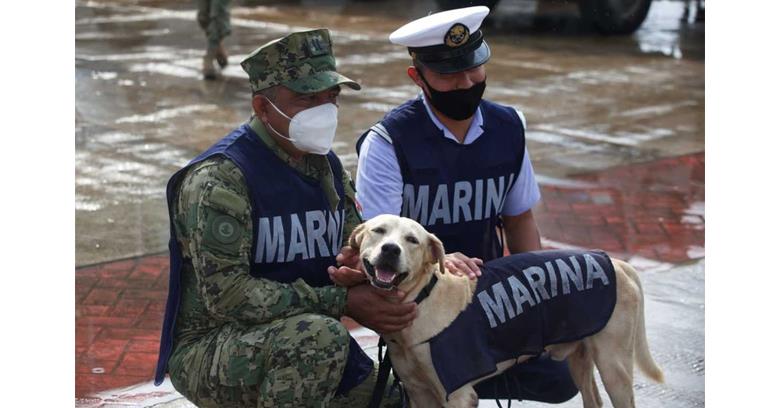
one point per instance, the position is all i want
(457, 35)
(317, 45)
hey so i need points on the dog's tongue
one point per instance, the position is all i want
(385, 275)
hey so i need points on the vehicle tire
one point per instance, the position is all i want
(452, 4)
(615, 16)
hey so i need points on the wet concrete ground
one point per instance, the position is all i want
(591, 102)
(616, 135)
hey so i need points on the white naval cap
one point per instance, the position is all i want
(432, 29)
(449, 41)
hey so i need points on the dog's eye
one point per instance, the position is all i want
(412, 239)
(378, 230)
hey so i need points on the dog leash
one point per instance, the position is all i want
(507, 389)
(381, 380)
(507, 384)
(385, 365)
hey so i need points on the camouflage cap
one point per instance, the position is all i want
(303, 62)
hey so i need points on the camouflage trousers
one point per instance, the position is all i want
(214, 19)
(293, 362)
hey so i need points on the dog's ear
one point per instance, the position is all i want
(437, 252)
(356, 236)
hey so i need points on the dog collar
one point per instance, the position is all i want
(425, 292)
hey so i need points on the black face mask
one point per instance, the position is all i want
(458, 104)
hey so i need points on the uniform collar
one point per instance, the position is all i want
(473, 132)
(258, 127)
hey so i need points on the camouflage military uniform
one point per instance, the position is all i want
(243, 341)
(214, 19)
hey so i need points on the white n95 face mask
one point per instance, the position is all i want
(311, 130)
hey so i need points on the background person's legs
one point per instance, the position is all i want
(203, 7)
(214, 19)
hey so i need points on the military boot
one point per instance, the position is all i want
(209, 71)
(221, 55)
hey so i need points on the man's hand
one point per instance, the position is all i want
(459, 264)
(348, 273)
(349, 257)
(380, 310)
(345, 276)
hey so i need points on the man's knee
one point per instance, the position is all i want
(312, 330)
(308, 340)
(542, 379)
(563, 387)
(548, 380)
(306, 358)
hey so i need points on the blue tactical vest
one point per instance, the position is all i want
(456, 191)
(523, 303)
(295, 232)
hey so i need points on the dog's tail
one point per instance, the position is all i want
(643, 357)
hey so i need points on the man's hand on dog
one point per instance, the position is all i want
(349, 257)
(460, 264)
(380, 310)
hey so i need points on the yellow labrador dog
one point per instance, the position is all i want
(399, 252)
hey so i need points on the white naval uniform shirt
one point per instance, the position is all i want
(380, 184)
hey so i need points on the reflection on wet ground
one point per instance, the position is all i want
(615, 132)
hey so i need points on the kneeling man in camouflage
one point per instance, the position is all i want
(252, 318)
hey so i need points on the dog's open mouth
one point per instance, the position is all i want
(383, 276)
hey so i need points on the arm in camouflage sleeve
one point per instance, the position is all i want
(213, 217)
(352, 216)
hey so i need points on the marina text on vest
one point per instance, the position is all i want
(502, 302)
(308, 232)
(486, 196)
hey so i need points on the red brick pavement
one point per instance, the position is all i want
(117, 322)
(655, 210)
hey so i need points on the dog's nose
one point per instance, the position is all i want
(391, 249)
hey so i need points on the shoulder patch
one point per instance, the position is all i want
(227, 201)
(222, 233)
(226, 229)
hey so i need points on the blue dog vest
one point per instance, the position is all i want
(295, 232)
(521, 304)
(456, 191)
